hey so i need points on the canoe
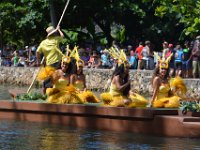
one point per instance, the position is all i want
(151, 121)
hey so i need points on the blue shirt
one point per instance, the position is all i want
(178, 56)
(104, 59)
(133, 61)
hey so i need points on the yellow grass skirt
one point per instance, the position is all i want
(168, 102)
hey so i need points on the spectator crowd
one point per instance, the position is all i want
(185, 61)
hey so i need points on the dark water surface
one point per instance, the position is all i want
(19, 135)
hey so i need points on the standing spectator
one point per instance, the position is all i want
(139, 56)
(15, 59)
(178, 60)
(186, 63)
(150, 56)
(132, 60)
(105, 59)
(172, 61)
(196, 59)
(50, 49)
(165, 48)
(129, 49)
(145, 53)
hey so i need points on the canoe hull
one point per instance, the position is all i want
(161, 122)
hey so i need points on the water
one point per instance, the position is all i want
(16, 135)
(19, 135)
(4, 95)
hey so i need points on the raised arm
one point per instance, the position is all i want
(155, 86)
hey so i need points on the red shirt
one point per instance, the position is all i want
(138, 51)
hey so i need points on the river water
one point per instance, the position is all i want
(19, 135)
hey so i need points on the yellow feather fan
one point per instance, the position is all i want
(177, 84)
(168, 102)
(52, 91)
(137, 100)
(45, 73)
(174, 102)
(118, 101)
(106, 98)
(89, 97)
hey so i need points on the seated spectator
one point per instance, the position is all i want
(32, 60)
(95, 61)
(22, 61)
(85, 58)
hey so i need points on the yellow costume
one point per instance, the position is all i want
(85, 96)
(163, 99)
(115, 97)
(62, 92)
(176, 87)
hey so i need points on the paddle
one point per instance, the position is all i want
(35, 77)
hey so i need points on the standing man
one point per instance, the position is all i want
(145, 53)
(196, 59)
(51, 52)
(139, 56)
(178, 60)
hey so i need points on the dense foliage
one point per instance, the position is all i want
(190, 106)
(23, 22)
(31, 96)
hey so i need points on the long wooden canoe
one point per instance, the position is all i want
(161, 122)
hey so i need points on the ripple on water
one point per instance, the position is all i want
(18, 135)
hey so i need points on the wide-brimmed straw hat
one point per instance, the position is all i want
(50, 30)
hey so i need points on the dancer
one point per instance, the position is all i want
(78, 80)
(166, 94)
(120, 94)
(61, 92)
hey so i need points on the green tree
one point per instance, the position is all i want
(186, 12)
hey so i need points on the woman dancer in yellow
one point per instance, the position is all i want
(61, 92)
(119, 94)
(165, 93)
(78, 80)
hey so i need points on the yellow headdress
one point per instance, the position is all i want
(66, 59)
(114, 52)
(164, 62)
(122, 58)
(75, 55)
(118, 54)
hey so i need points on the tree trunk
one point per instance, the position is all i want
(1, 38)
(106, 29)
(52, 13)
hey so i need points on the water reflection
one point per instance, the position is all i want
(16, 135)
(40, 136)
